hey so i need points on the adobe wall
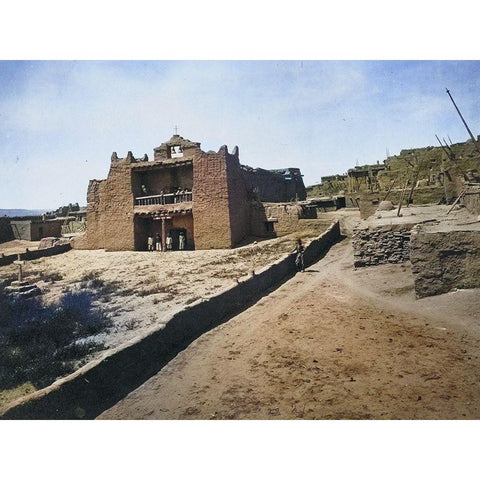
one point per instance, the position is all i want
(287, 216)
(102, 383)
(258, 219)
(367, 203)
(49, 228)
(94, 236)
(471, 200)
(110, 209)
(445, 259)
(211, 212)
(272, 187)
(22, 229)
(118, 202)
(237, 199)
(6, 232)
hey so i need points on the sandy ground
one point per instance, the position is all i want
(142, 289)
(331, 343)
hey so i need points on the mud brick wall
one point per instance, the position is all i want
(258, 219)
(118, 214)
(211, 213)
(272, 187)
(22, 229)
(367, 203)
(444, 260)
(110, 210)
(237, 200)
(49, 228)
(36, 229)
(471, 200)
(380, 245)
(287, 217)
(6, 232)
(94, 237)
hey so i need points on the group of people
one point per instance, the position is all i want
(155, 243)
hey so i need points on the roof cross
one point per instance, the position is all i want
(176, 129)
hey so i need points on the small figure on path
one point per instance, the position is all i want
(299, 257)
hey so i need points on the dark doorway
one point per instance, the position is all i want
(175, 233)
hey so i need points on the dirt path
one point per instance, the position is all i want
(329, 344)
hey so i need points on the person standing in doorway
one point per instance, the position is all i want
(150, 243)
(158, 242)
(168, 242)
(181, 241)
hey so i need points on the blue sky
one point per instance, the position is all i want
(61, 120)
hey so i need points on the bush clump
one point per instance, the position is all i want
(39, 343)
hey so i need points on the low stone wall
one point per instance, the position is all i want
(444, 260)
(380, 245)
(34, 254)
(103, 382)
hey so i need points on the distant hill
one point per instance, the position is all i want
(18, 212)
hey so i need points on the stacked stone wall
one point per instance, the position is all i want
(381, 245)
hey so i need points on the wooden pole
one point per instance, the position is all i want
(163, 235)
(401, 198)
(414, 182)
(444, 149)
(456, 201)
(390, 188)
(464, 122)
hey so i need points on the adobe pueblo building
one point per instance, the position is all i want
(210, 197)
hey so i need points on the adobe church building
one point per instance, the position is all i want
(210, 197)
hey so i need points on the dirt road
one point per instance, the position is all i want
(331, 343)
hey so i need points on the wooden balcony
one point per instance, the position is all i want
(164, 199)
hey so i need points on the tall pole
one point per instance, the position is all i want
(464, 122)
(443, 148)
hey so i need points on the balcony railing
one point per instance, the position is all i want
(164, 199)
